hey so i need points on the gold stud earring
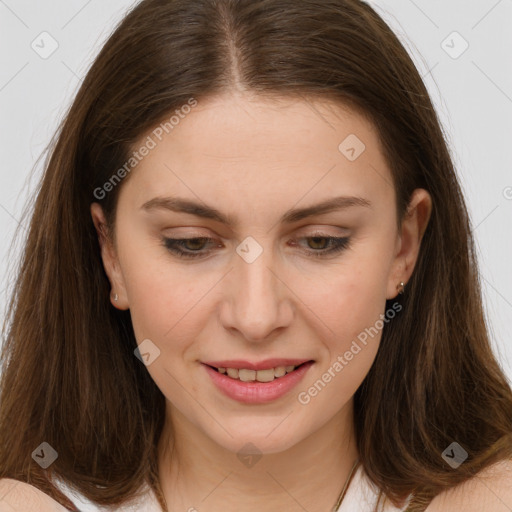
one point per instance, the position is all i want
(400, 288)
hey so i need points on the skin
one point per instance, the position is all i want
(16, 496)
(254, 159)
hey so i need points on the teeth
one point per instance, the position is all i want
(280, 371)
(261, 375)
(233, 373)
(265, 375)
(246, 375)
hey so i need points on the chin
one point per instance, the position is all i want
(263, 438)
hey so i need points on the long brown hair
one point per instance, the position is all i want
(69, 374)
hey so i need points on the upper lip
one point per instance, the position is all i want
(260, 365)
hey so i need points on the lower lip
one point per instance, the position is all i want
(257, 392)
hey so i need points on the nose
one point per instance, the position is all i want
(257, 302)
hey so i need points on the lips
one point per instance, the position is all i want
(254, 391)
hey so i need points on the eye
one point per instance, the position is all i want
(324, 245)
(188, 247)
(319, 246)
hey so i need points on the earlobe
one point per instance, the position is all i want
(109, 258)
(412, 229)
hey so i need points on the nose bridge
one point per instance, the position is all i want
(257, 305)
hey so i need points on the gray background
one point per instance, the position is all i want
(472, 90)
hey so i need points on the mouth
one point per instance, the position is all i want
(257, 383)
(265, 375)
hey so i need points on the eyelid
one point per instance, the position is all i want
(305, 232)
(338, 245)
(308, 232)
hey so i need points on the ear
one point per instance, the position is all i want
(109, 257)
(409, 239)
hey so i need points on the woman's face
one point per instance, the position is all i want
(295, 248)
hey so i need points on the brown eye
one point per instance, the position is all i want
(323, 246)
(189, 247)
(318, 242)
(194, 244)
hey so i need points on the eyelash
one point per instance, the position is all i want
(172, 245)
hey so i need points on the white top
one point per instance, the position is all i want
(146, 503)
(361, 496)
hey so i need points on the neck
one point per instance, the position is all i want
(198, 474)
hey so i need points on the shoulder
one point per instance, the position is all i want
(16, 496)
(491, 489)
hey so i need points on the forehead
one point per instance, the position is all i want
(285, 127)
(264, 149)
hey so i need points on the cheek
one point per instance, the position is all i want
(349, 307)
(348, 299)
(162, 308)
(351, 327)
(158, 298)
(166, 309)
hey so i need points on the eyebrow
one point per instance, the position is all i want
(182, 205)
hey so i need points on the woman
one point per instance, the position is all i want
(249, 281)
